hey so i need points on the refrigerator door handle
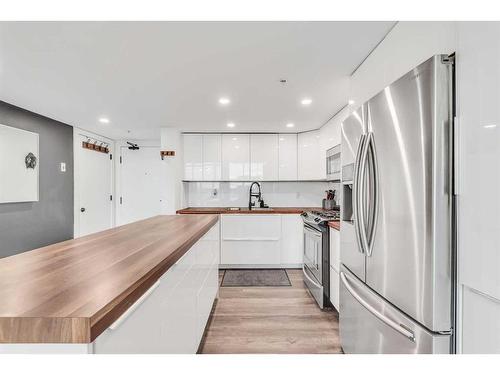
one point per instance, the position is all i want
(361, 193)
(355, 194)
(374, 200)
(391, 323)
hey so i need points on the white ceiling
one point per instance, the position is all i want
(147, 75)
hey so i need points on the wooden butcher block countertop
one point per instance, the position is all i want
(245, 210)
(335, 224)
(72, 291)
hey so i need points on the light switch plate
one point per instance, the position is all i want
(63, 167)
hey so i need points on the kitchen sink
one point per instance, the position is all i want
(261, 209)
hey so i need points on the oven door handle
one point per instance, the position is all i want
(309, 278)
(307, 221)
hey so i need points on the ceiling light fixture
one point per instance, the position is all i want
(104, 120)
(490, 126)
(230, 125)
(351, 102)
(290, 125)
(306, 101)
(224, 101)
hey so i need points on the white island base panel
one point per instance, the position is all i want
(168, 318)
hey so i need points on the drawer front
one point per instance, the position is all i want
(250, 252)
(251, 227)
(213, 233)
(138, 331)
(205, 299)
(370, 325)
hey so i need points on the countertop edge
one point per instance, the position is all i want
(334, 224)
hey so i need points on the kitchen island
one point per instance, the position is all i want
(128, 289)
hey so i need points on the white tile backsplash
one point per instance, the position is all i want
(275, 194)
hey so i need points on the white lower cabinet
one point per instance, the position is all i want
(480, 322)
(292, 240)
(171, 316)
(334, 268)
(334, 288)
(261, 240)
(335, 249)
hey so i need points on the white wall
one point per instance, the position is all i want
(405, 47)
(171, 140)
(478, 95)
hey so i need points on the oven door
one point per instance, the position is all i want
(313, 273)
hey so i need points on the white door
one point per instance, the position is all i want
(94, 180)
(140, 184)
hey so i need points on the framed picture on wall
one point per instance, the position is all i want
(19, 165)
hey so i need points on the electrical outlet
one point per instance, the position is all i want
(63, 167)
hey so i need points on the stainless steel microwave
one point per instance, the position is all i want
(333, 165)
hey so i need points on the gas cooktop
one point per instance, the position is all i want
(328, 215)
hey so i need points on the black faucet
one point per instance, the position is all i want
(257, 195)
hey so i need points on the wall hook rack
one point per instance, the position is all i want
(96, 145)
(166, 153)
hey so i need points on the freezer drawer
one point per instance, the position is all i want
(369, 324)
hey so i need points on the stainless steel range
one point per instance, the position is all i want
(316, 255)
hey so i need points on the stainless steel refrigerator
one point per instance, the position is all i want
(397, 272)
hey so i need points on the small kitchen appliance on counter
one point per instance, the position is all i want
(329, 203)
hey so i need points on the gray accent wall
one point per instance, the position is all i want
(27, 226)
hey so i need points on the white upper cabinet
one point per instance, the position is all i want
(193, 156)
(287, 160)
(235, 157)
(261, 157)
(212, 157)
(311, 157)
(264, 157)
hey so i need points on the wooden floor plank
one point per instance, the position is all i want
(275, 320)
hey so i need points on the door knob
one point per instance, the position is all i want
(82, 209)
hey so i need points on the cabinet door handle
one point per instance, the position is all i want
(118, 322)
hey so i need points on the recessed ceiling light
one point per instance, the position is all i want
(224, 101)
(290, 125)
(306, 101)
(104, 120)
(351, 102)
(490, 126)
(230, 125)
